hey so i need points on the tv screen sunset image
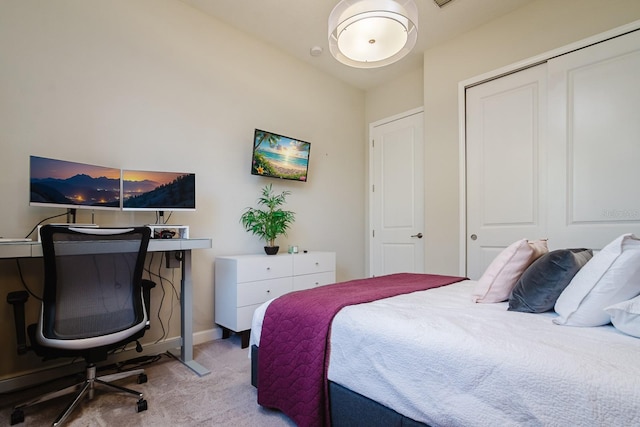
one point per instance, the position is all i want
(280, 156)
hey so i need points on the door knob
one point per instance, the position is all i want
(419, 235)
(473, 237)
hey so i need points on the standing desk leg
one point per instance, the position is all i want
(186, 315)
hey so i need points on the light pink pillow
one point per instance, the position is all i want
(501, 276)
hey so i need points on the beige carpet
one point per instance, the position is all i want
(175, 395)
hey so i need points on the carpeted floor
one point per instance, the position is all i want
(175, 395)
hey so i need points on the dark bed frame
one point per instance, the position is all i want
(350, 409)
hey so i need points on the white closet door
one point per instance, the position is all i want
(594, 143)
(506, 185)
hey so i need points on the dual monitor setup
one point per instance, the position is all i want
(71, 185)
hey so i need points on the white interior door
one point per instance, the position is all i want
(397, 195)
(594, 142)
(506, 182)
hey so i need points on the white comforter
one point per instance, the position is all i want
(438, 358)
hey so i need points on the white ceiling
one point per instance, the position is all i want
(295, 26)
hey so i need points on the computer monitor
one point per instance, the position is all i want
(158, 191)
(72, 185)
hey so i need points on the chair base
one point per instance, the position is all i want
(84, 389)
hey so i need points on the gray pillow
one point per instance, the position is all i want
(542, 283)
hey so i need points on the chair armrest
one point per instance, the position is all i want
(147, 285)
(18, 300)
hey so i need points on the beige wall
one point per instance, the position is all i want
(397, 96)
(156, 85)
(532, 30)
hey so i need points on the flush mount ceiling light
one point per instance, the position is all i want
(372, 33)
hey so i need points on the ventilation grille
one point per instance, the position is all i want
(441, 3)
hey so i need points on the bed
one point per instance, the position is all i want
(435, 357)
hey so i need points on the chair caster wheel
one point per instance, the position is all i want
(17, 416)
(142, 405)
(142, 378)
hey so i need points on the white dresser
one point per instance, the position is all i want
(243, 282)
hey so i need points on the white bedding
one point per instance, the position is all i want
(256, 324)
(438, 358)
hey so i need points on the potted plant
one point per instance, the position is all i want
(271, 221)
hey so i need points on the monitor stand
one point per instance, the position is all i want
(71, 215)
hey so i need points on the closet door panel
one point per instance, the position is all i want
(594, 143)
(505, 165)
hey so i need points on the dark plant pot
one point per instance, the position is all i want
(271, 250)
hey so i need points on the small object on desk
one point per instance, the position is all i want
(165, 234)
(168, 231)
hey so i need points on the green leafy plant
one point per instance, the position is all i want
(271, 221)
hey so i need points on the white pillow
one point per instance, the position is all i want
(610, 277)
(625, 316)
(503, 273)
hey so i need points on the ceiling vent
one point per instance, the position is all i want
(441, 3)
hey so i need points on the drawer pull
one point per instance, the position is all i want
(268, 268)
(317, 263)
(268, 291)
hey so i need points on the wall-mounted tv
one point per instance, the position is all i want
(158, 191)
(278, 156)
(72, 185)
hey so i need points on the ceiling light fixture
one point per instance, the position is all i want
(372, 33)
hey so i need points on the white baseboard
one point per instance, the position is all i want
(206, 336)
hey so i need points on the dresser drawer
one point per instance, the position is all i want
(258, 292)
(251, 269)
(309, 281)
(244, 316)
(314, 262)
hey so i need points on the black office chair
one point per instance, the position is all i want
(94, 301)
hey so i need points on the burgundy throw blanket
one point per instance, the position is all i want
(294, 343)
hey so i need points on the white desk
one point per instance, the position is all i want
(34, 250)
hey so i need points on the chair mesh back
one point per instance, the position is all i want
(92, 282)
